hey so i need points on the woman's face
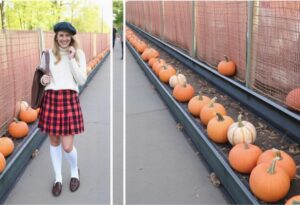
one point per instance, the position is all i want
(63, 39)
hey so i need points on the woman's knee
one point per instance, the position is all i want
(54, 140)
(68, 148)
(67, 142)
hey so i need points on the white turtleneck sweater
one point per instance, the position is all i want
(67, 74)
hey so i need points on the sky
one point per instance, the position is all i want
(107, 9)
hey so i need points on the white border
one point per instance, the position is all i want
(124, 103)
(111, 110)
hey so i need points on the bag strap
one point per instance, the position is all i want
(47, 56)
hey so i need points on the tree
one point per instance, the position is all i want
(33, 14)
(118, 13)
(2, 10)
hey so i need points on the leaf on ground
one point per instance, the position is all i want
(179, 126)
(214, 179)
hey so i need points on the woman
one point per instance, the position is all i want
(121, 39)
(114, 36)
(60, 114)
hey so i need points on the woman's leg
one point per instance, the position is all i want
(71, 156)
(70, 153)
(122, 49)
(56, 156)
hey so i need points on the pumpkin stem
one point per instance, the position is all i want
(240, 124)
(220, 117)
(271, 169)
(226, 58)
(246, 145)
(16, 120)
(165, 67)
(212, 101)
(200, 95)
(277, 152)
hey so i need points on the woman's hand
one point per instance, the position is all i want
(45, 79)
(72, 52)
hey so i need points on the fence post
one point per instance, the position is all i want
(150, 17)
(193, 51)
(136, 14)
(144, 19)
(249, 44)
(162, 20)
(94, 45)
(41, 41)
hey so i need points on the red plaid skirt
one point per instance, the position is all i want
(60, 113)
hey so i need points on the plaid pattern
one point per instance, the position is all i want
(60, 113)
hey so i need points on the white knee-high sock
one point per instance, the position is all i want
(72, 159)
(56, 158)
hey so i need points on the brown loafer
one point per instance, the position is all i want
(56, 189)
(74, 183)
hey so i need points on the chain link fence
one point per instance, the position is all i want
(220, 28)
(276, 48)
(20, 55)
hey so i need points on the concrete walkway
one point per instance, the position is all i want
(161, 166)
(118, 124)
(93, 147)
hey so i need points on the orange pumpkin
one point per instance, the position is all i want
(149, 53)
(157, 64)
(38, 110)
(226, 67)
(183, 93)
(28, 115)
(144, 55)
(292, 100)
(141, 46)
(133, 41)
(153, 54)
(90, 65)
(217, 128)
(2, 162)
(152, 61)
(166, 73)
(269, 183)
(159, 68)
(136, 42)
(293, 200)
(243, 157)
(285, 161)
(94, 63)
(99, 57)
(6, 146)
(18, 129)
(209, 111)
(88, 69)
(196, 104)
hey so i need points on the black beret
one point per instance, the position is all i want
(64, 26)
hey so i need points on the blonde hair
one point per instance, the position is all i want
(56, 52)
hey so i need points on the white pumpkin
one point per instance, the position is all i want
(23, 105)
(177, 79)
(241, 132)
